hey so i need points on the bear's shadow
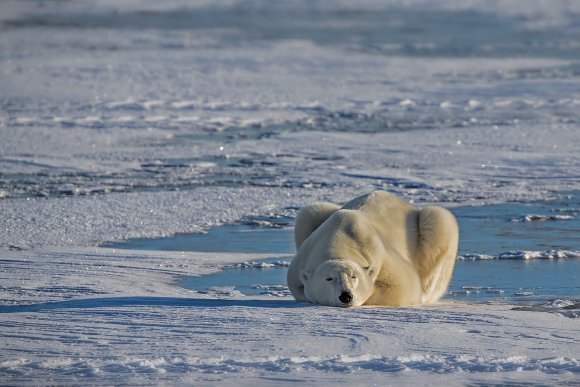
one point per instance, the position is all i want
(117, 302)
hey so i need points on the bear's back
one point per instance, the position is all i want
(386, 213)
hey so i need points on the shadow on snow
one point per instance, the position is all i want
(116, 302)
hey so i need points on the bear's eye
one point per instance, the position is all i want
(353, 276)
(329, 279)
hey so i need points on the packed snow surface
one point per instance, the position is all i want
(143, 119)
(116, 317)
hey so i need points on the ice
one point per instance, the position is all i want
(142, 323)
(541, 218)
(262, 265)
(546, 254)
(144, 119)
(569, 307)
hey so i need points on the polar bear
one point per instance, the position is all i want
(375, 250)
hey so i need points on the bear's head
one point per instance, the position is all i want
(339, 283)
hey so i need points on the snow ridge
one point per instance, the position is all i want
(332, 364)
(522, 254)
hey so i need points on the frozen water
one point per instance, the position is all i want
(542, 263)
(491, 230)
(147, 119)
(243, 239)
(505, 281)
(182, 97)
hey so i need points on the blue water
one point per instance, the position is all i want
(504, 281)
(224, 239)
(486, 232)
(74, 71)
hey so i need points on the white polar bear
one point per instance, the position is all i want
(375, 250)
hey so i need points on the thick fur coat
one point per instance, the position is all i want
(375, 250)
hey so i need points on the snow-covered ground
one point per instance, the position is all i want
(144, 119)
(108, 317)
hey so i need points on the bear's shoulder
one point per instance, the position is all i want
(377, 201)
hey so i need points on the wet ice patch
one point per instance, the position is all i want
(260, 234)
(523, 294)
(273, 290)
(261, 265)
(107, 107)
(514, 279)
(566, 307)
(490, 232)
(541, 218)
(467, 290)
(221, 291)
(522, 254)
(547, 254)
(266, 277)
(510, 276)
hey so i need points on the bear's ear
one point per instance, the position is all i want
(372, 272)
(305, 276)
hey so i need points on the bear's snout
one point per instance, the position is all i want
(345, 297)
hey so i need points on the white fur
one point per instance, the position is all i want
(375, 250)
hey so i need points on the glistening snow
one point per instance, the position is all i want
(143, 119)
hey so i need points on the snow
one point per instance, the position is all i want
(116, 317)
(143, 119)
(542, 218)
(519, 254)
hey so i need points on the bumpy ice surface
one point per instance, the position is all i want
(144, 119)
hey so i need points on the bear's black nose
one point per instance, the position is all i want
(345, 297)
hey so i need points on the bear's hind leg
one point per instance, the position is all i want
(438, 236)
